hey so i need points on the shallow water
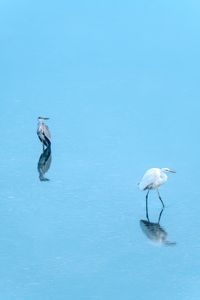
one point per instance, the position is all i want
(120, 83)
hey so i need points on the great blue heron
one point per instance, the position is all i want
(153, 179)
(43, 132)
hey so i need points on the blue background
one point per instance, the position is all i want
(120, 83)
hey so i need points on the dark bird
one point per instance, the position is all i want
(43, 132)
(44, 163)
(154, 231)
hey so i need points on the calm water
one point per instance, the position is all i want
(120, 83)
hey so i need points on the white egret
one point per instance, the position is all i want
(43, 132)
(153, 179)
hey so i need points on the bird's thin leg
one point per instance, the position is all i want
(43, 146)
(160, 215)
(160, 198)
(147, 215)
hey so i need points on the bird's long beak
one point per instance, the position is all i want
(43, 118)
(172, 171)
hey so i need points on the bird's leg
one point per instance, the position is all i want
(43, 146)
(147, 215)
(160, 215)
(160, 198)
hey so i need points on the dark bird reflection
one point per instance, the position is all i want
(44, 163)
(154, 231)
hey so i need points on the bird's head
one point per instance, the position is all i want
(40, 119)
(167, 170)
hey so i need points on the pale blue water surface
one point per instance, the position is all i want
(120, 83)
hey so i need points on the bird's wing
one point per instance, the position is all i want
(149, 178)
(47, 132)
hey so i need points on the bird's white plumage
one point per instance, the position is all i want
(153, 178)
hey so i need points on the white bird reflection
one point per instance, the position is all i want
(44, 163)
(154, 231)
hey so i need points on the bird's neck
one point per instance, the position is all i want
(164, 176)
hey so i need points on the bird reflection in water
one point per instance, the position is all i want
(154, 231)
(44, 163)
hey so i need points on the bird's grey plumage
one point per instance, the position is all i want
(44, 163)
(155, 232)
(43, 132)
